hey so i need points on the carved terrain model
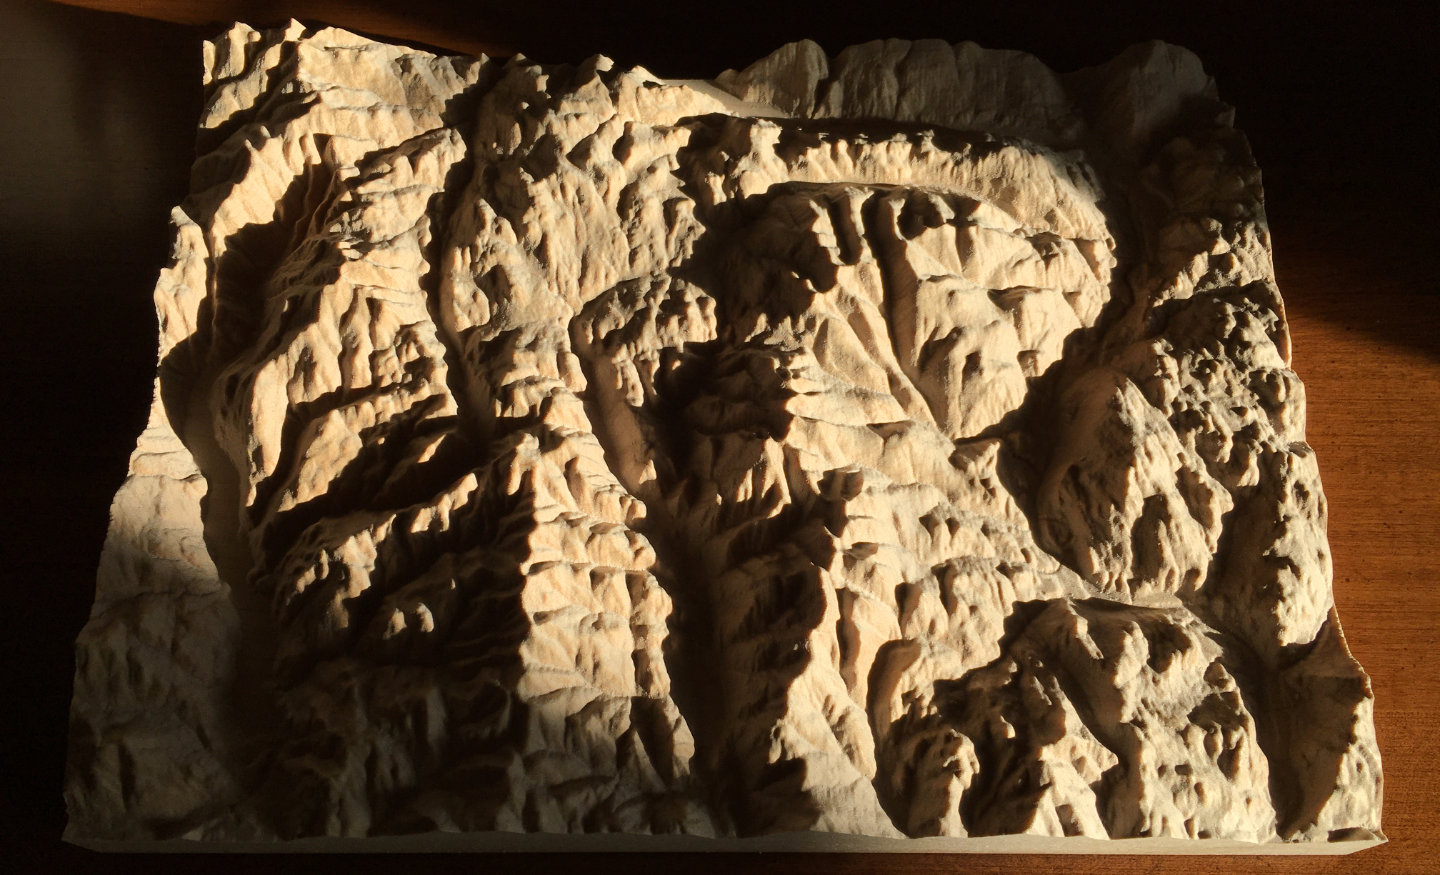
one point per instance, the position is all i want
(894, 445)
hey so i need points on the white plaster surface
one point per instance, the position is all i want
(898, 444)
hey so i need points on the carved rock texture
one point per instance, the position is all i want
(898, 444)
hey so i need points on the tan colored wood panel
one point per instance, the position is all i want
(1366, 334)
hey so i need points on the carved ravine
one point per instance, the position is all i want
(894, 451)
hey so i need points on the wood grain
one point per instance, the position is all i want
(1364, 329)
(1355, 266)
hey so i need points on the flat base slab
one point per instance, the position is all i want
(802, 842)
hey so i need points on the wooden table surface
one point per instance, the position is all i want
(99, 111)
